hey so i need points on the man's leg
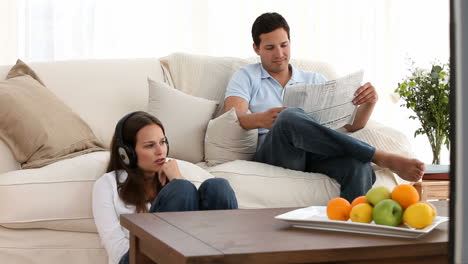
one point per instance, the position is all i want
(355, 177)
(177, 195)
(295, 134)
(217, 194)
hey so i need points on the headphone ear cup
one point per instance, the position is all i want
(127, 155)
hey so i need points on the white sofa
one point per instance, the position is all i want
(46, 214)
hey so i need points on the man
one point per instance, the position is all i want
(290, 138)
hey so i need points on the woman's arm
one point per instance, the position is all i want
(106, 219)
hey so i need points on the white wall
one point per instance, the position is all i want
(8, 36)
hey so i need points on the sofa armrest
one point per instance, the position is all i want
(385, 138)
(8, 161)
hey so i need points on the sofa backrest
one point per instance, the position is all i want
(207, 76)
(99, 91)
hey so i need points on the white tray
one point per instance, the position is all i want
(315, 217)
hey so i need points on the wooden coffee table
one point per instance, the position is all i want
(254, 236)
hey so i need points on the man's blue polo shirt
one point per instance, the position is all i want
(255, 85)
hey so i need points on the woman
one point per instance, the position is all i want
(140, 179)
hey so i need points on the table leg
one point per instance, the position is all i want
(136, 256)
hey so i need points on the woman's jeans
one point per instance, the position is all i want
(182, 195)
(296, 141)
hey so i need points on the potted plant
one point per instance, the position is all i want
(426, 92)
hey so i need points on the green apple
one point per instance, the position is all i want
(387, 212)
(377, 194)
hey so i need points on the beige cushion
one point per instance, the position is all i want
(58, 196)
(226, 140)
(184, 117)
(37, 126)
(203, 76)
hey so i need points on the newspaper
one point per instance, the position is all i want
(330, 103)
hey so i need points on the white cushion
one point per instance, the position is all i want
(226, 140)
(58, 196)
(184, 118)
(203, 76)
(259, 185)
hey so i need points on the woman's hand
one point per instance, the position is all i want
(168, 172)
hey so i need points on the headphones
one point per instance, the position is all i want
(126, 152)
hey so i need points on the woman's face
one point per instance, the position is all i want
(151, 149)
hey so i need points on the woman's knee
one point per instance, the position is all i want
(218, 185)
(217, 193)
(177, 195)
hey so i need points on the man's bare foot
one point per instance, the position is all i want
(407, 169)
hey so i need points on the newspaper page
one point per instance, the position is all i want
(330, 103)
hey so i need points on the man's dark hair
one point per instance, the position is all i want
(267, 23)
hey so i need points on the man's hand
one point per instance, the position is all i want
(168, 172)
(269, 116)
(365, 94)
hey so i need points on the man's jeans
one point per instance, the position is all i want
(182, 195)
(296, 141)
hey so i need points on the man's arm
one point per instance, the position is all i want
(251, 121)
(366, 98)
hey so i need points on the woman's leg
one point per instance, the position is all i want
(177, 195)
(217, 194)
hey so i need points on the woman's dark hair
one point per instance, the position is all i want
(267, 23)
(132, 191)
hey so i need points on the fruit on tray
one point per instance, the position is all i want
(338, 209)
(383, 207)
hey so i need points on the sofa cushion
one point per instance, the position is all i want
(184, 117)
(203, 76)
(36, 125)
(259, 185)
(226, 140)
(58, 196)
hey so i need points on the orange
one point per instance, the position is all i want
(405, 195)
(338, 209)
(358, 200)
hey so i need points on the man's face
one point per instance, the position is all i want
(274, 50)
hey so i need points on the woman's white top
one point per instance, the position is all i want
(107, 208)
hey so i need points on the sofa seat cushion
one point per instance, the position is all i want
(259, 185)
(26, 246)
(59, 196)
